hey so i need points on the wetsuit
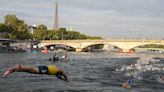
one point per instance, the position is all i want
(129, 81)
(51, 70)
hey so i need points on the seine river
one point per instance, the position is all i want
(87, 72)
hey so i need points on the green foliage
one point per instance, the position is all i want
(40, 33)
(3, 30)
(14, 28)
(62, 34)
(52, 35)
(152, 46)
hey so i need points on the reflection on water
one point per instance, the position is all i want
(87, 72)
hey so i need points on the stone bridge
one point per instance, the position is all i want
(123, 44)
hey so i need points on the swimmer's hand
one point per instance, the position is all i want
(66, 80)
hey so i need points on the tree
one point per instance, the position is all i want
(62, 33)
(52, 35)
(17, 27)
(40, 33)
(14, 28)
(3, 30)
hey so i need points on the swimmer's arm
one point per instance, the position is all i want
(63, 77)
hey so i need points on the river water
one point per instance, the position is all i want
(87, 72)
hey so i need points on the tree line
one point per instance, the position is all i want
(15, 28)
(152, 46)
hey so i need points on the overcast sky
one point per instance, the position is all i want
(105, 18)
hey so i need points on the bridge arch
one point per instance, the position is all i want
(61, 46)
(92, 46)
(153, 48)
(125, 45)
(117, 45)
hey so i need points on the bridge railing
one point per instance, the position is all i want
(106, 40)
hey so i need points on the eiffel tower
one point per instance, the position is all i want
(56, 22)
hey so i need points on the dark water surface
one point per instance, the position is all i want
(87, 72)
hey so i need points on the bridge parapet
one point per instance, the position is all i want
(125, 45)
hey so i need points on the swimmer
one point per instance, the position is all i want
(49, 70)
(127, 84)
(162, 78)
(64, 57)
(55, 57)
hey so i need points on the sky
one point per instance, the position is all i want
(138, 19)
